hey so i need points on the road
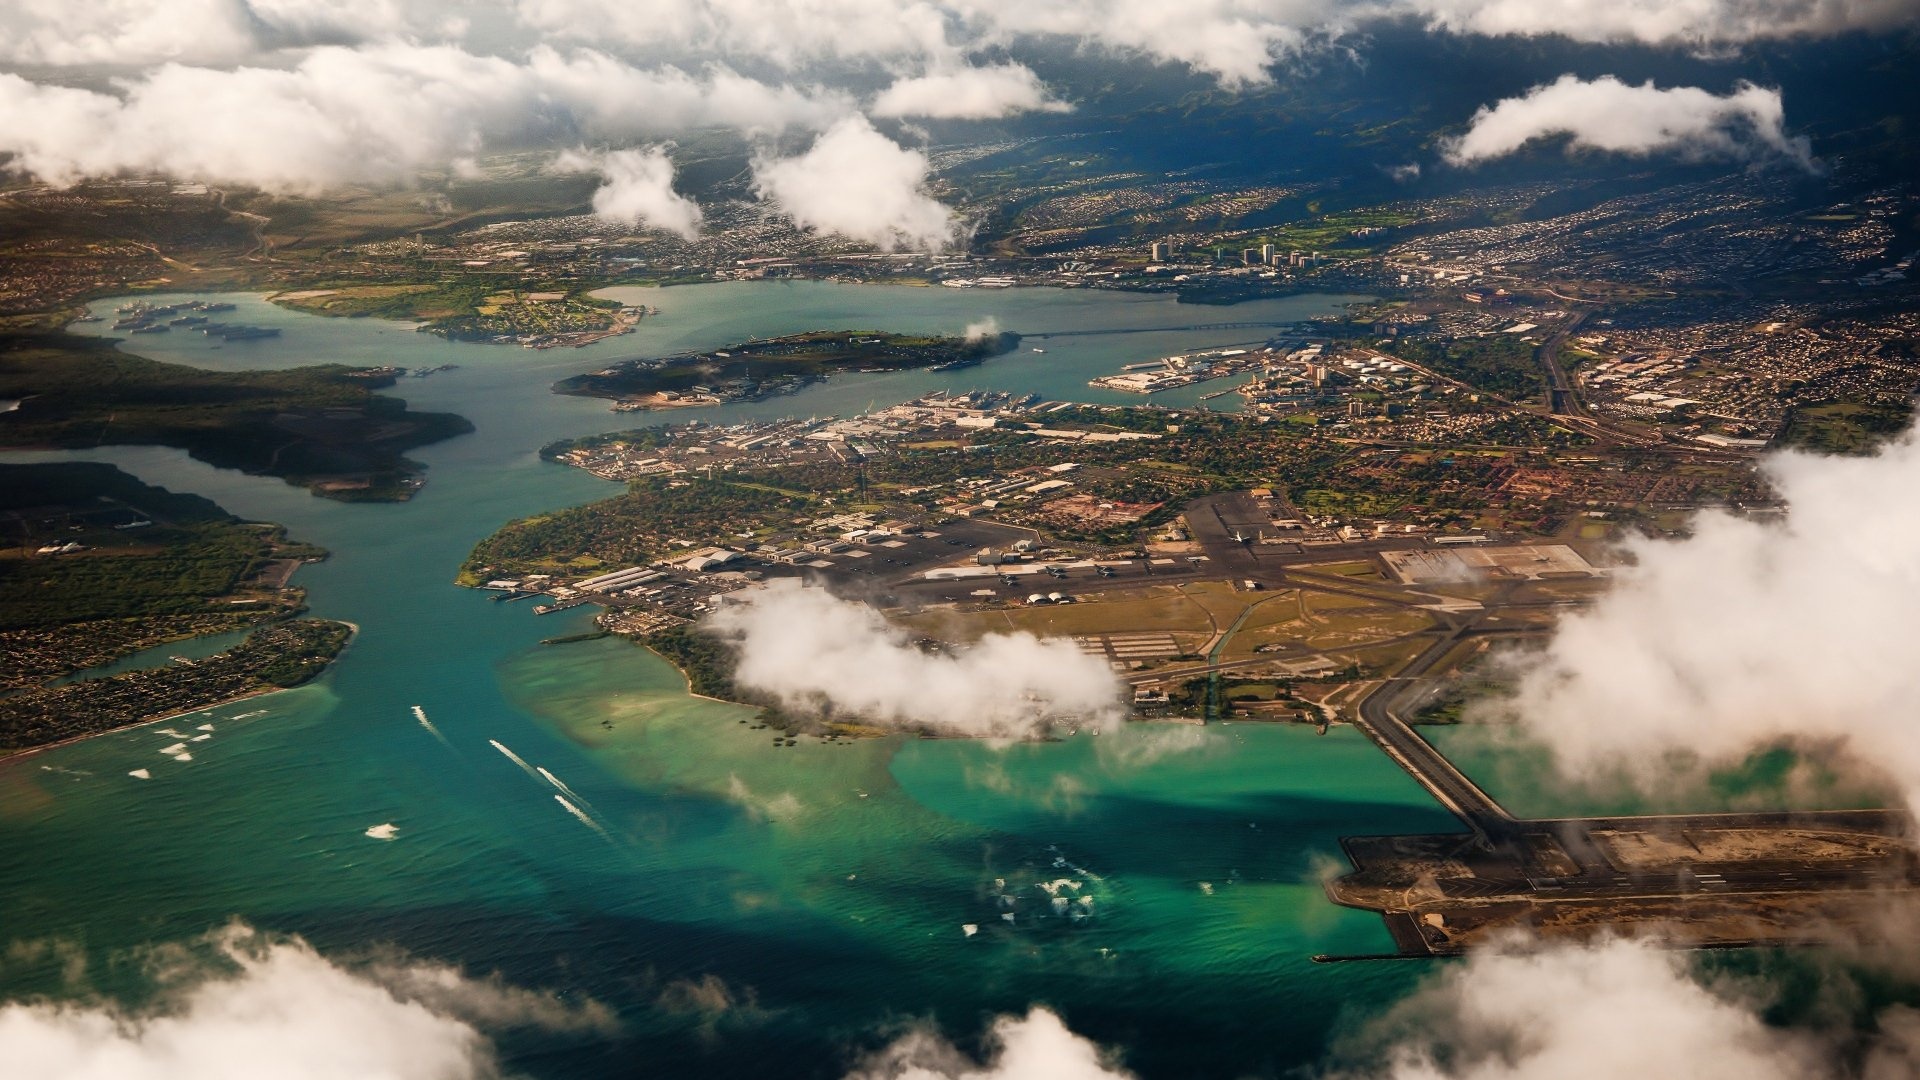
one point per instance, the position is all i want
(1561, 398)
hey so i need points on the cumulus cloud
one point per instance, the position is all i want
(1661, 22)
(857, 182)
(1614, 117)
(636, 189)
(813, 651)
(125, 33)
(1618, 1008)
(1235, 41)
(972, 93)
(1614, 1008)
(1019, 1048)
(376, 114)
(1748, 634)
(303, 95)
(281, 1009)
(787, 33)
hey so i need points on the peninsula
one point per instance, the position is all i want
(764, 367)
(321, 427)
(96, 566)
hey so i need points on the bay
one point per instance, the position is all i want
(825, 886)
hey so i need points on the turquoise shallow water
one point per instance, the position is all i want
(827, 885)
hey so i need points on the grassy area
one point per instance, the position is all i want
(1845, 427)
(307, 425)
(1333, 234)
(1503, 364)
(482, 307)
(1165, 608)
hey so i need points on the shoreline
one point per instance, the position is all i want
(19, 755)
(12, 756)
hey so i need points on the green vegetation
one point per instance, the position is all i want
(708, 661)
(1845, 427)
(278, 656)
(1346, 233)
(477, 307)
(174, 570)
(440, 300)
(759, 366)
(96, 485)
(321, 426)
(1503, 364)
(138, 566)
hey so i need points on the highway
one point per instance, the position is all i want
(1561, 398)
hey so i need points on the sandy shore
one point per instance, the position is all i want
(19, 755)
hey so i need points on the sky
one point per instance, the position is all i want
(304, 97)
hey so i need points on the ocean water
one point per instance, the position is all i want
(826, 885)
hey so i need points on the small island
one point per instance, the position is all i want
(765, 367)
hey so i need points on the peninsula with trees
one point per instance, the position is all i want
(96, 566)
(767, 366)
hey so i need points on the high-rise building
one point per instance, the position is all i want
(1266, 254)
(1162, 251)
(1250, 257)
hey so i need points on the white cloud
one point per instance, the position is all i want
(1601, 1011)
(106, 32)
(1235, 41)
(809, 650)
(968, 93)
(1749, 634)
(1661, 22)
(1615, 1009)
(132, 33)
(858, 183)
(788, 33)
(378, 114)
(636, 189)
(1036, 1046)
(303, 95)
(282, 1010)
(1615, 117)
